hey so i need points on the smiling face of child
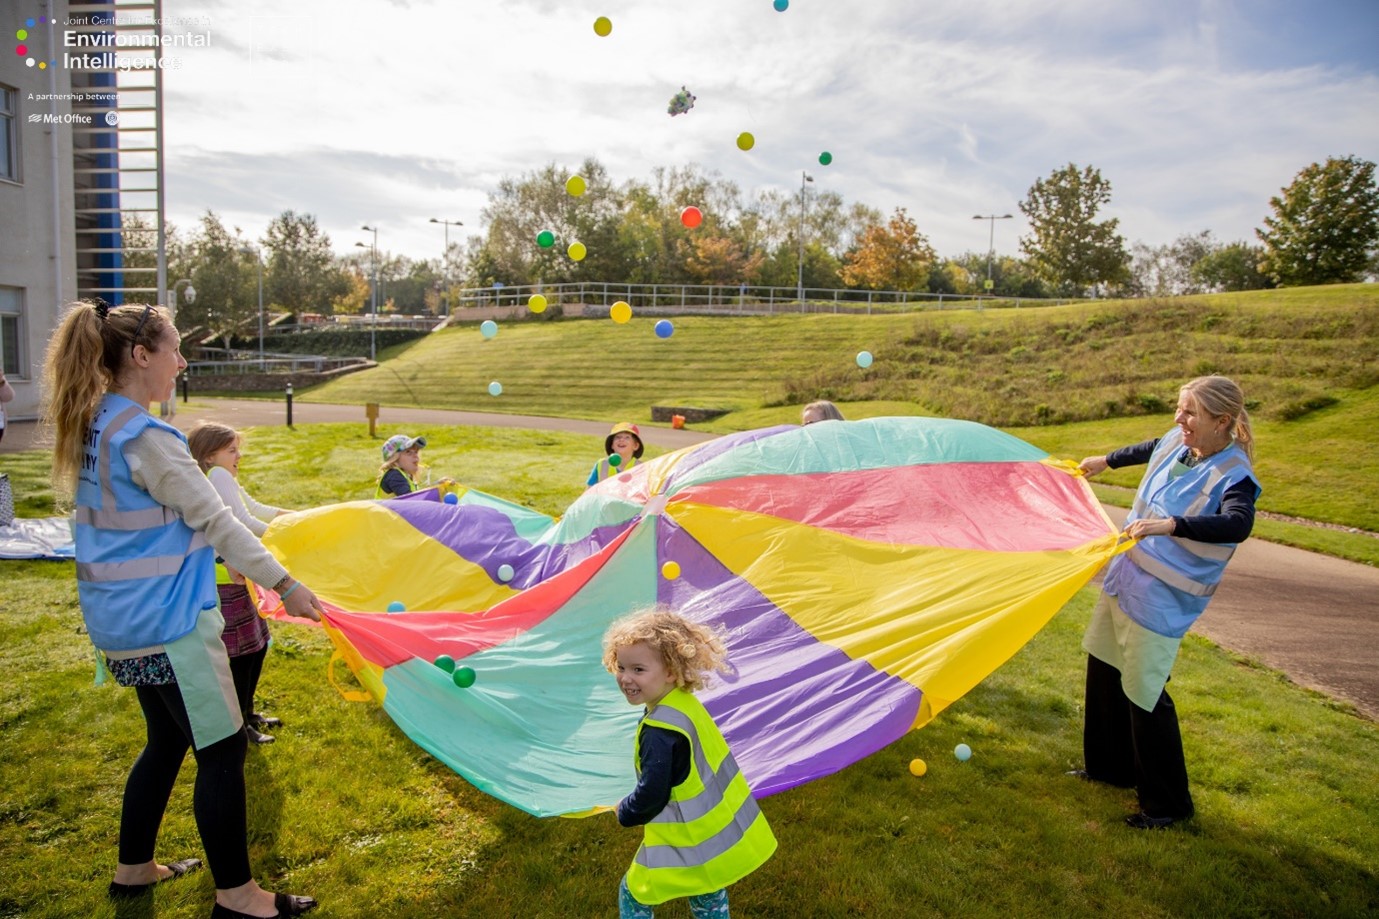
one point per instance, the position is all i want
(624, 444)
(227, 458)
(642, 675)
(409, 461)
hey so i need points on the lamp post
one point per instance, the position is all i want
(258, 268)
(445, 263)
(172, 294)
(373, 292)
(799, 277)
(991, 242)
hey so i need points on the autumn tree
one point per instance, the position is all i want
(1325, 225)
(895, 256)
(720, 260)
(1068, 248)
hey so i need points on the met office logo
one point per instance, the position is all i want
(22, 35)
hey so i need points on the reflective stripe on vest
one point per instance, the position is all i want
(379, 493)
(711, 833)
(1169, 575)
(607, 470)
(143, 575)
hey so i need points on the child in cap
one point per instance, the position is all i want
(401, 461)
(703, 829)
(624, 442)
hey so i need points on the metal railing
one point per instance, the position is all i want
(241, 362)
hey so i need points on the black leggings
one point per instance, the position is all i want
(218, 799)
(245, 670)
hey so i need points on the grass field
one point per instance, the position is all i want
(346, 808)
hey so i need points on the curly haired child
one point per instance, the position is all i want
(703, 829)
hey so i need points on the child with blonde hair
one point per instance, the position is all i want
(703, 829)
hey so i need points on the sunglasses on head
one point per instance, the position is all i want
(139, 328)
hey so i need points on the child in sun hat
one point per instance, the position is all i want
(703, 829)
(401, 462)
(624, 442)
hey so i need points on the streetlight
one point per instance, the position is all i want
(258, 267)
(190, 294)
(799, 278)
(445, 264)
(373, 292)
(991, 243)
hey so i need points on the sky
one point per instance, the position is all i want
(392, 113)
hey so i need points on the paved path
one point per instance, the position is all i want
(1313, 617)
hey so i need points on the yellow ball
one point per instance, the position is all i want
(620, 312)
(602, 26)
(577, 251)
(918, 767)
(670, 571)
(536, 303)
(575, 185)
(745, 141)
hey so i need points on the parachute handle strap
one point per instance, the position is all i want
(349, 695)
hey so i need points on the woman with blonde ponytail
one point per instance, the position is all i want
(1195, 504)
(149, 526)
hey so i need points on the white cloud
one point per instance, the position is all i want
(359, 111)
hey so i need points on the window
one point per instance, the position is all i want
(9, 134)
(11, 331)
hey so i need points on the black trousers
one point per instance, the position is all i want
(217, 800)
(1122, 744)
(245, 671)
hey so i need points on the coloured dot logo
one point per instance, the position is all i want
(23, 35)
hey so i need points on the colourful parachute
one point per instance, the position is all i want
(866, 574)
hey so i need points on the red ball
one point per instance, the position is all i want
(691, 216)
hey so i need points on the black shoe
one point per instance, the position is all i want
(1143, 821)
(256, 736)
(1079, 774)
(287, 905)
(260, 720)
(130, 891)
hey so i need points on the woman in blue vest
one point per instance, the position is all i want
(1195, 504)
(149, 526)
(703, 829)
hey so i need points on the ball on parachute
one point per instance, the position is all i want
(488, 328)
(963, 752)
(505, 572)
(620, 312)
(665, 328)
(463, 677)
(451, 498)
(445, 662)
(397, 606)
(670, 570)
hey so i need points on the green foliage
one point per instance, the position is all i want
(1068, 248)
(335, 341)
(1325, 225)
(221, 268)
(1232, 267)
(301, 274)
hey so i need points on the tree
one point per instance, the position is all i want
(892, 257)
(1325, 225)
(1232, 267)
(1166, 271)
(226, 281)
(720, 260)
(1068, 248)
(301, 274)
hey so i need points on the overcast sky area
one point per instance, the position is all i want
(392, 113)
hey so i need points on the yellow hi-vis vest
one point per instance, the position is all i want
(712, 833)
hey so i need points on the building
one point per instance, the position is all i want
(81, 170)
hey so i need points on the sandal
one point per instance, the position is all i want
(130, 891)
(286, 904)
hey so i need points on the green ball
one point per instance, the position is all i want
(614, 460)
(545, 239)
(446, 663)
(825, 158)
(463, 677)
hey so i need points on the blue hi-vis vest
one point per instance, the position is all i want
(143, 575)
(1165, 582)
(712, 833)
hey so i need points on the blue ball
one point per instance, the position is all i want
(488, 329)
(495, 388)
(665, 328)
(451, 498)
(781, 5)
(963, 752)
(397, 606)
(864, 359)
(505, 573)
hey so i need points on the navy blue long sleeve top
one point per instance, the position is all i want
(664, 757)
(1232, 522)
